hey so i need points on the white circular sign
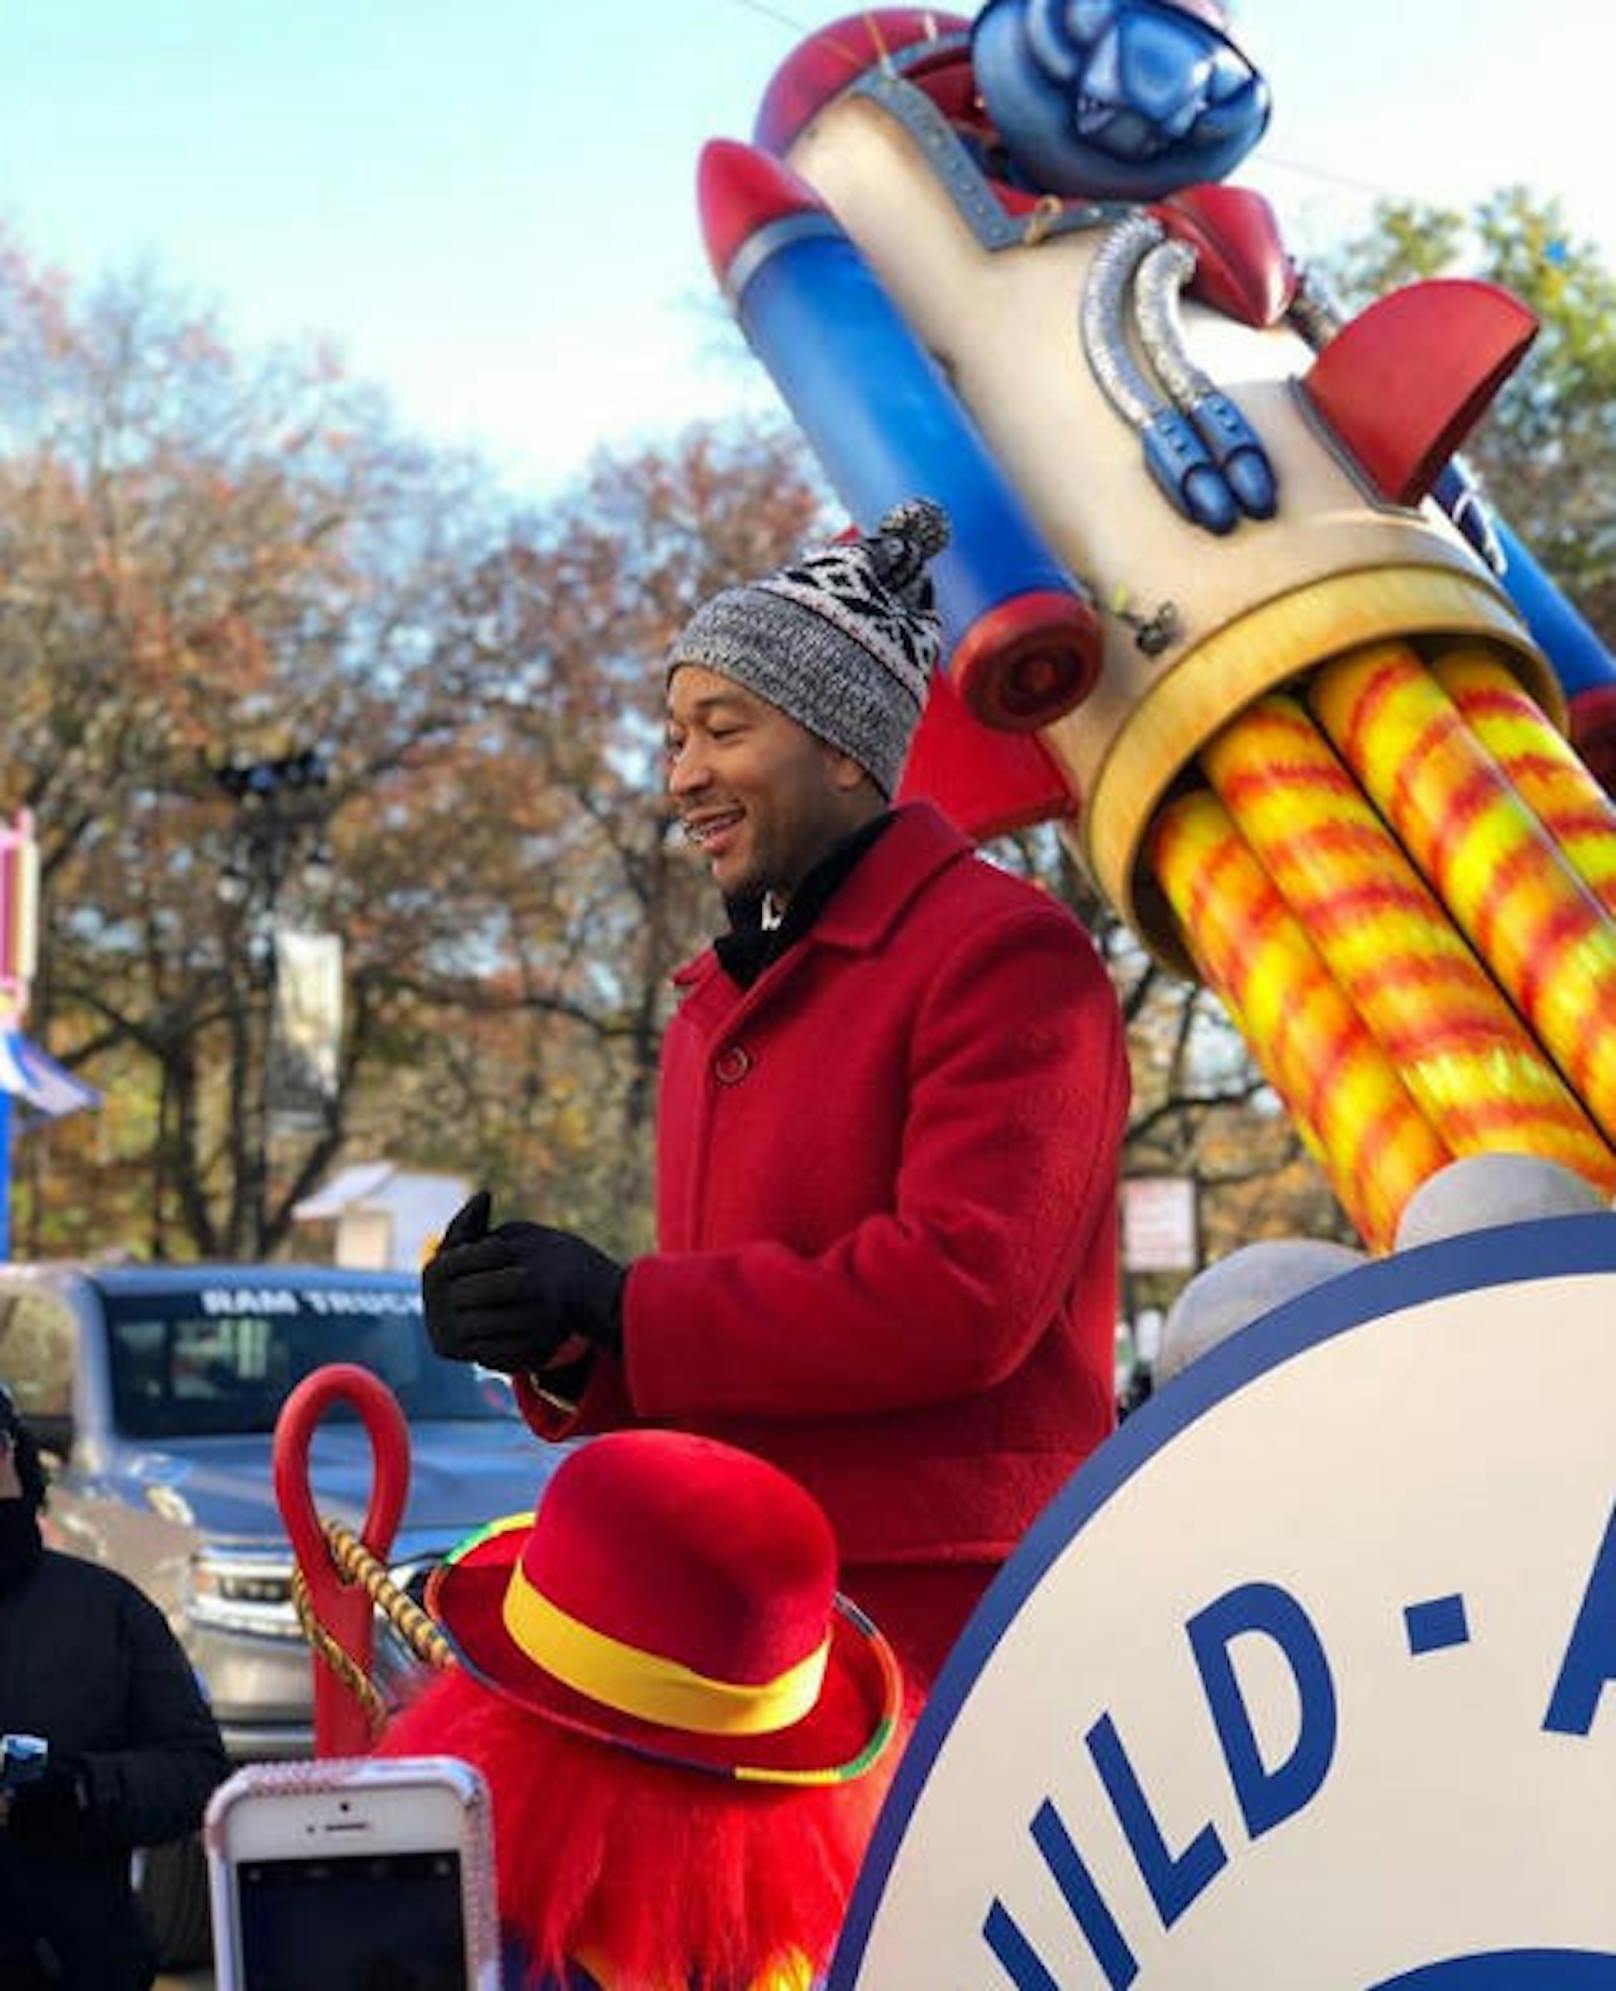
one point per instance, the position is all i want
(1308, 1677)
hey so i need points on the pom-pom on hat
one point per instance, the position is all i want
(844, 640)
(676, 1597)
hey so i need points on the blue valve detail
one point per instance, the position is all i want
(1177, 457)
(1238, 454)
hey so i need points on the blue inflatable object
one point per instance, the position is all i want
(884, 422)
(1581, 661)
(1116, 99)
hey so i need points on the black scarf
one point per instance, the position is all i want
(750, 946)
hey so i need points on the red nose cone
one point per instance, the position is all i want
(740, 190)
(1241, 267)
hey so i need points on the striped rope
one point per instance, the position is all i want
(356, 1564)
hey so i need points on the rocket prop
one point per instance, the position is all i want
(1220, 600)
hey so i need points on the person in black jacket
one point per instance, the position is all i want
(88, 1664)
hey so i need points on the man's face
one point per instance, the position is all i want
(10, 1482)
(761, 797)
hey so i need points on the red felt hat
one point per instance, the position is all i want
(677, 1597)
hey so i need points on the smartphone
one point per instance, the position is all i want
(24, 1759)
(355, 1875)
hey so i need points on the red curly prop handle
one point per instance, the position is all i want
(342, 1605)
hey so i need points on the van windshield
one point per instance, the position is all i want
(206, 1362)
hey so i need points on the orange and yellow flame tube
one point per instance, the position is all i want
(1541, 930)
(1307, 1038)
(1462, 1052)
(1544, 771)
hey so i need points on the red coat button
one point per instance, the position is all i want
(731, 1066)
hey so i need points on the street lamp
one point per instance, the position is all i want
(278, 817)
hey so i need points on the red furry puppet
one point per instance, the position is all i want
(686, 1730)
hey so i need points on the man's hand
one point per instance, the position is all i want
(511, 1297)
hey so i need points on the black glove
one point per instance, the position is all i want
(51, 1815)
(510, 1297)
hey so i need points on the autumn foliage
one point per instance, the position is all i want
(207, 559)
(210, 561)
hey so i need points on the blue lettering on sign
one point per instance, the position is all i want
(1008, 1943)
(1003, 1935)
(1508, 1970)
(1590, 1659)
(1267, 1796)
(1436, 1624)
(1174, 1882)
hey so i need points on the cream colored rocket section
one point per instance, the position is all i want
(1338, 567)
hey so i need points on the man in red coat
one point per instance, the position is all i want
(891, 1111)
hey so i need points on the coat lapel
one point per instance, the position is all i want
(863, 911)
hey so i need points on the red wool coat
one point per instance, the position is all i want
(886, 1202)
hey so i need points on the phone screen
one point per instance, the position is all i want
(369, 1922)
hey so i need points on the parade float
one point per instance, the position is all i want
(1206, 609)
(1309, 1674)
(1302, 1679)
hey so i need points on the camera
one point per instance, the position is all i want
(23, 1760)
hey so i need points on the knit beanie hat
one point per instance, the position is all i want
(844, 641)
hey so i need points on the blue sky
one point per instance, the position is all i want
(489, 207)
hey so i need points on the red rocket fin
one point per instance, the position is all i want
(1241, 266)
(1403, 383)
(985, 781)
